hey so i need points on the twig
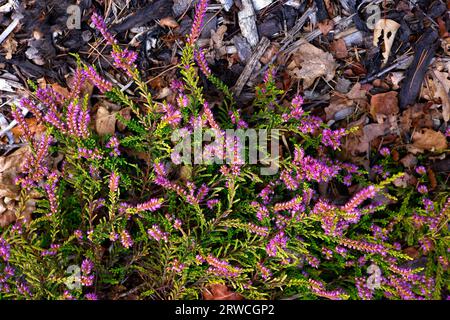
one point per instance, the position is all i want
(247, 72)
(404, 60)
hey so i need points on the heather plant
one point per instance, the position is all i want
(153, 228)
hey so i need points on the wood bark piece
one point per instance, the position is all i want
(247, 72)
(247, 23)
(156, 10)
(425, 49)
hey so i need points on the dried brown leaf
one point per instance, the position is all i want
(105, 122)
(428, 140)
(339, 48)
(310, 63)
(383, 105)
(220, 292)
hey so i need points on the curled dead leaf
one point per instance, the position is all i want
(339, 48)
(105, 121)
(169, 22)
(428, 140)
(388, 28)
(383, 105)
(220, 292)
(309, 63)
(10, 168)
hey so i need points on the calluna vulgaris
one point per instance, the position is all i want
(143, 225)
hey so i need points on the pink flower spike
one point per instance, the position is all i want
(200, 12)
(151, 205)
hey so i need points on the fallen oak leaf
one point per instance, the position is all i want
(309, 63)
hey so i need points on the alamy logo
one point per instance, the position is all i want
(228, 146)
(374, 12)
(73, 281)
(374, 281)
(74, 19)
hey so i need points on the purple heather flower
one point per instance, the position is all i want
(113, 143)
(211, 203)
(87, 281)
(428, 204)
(197, 25)
(89, 154)
(327, 253)
(83, 123)
(91, 296)
(55, 121)
(50, 98)
(113, 236)
(4, 249)
(222, 268)
(176, 266)
(261, 231)
(261, 211)
(265, 272)
(426, 244)
(177, 85)
(313, 261)
(296, 111)
(366, 193)
(87, 266)
(290, 182)
(67, 295)
(278, 241)
(125, 239)
(113, 182)
(377, 169)
(156, 233)
(269, 75)
(77, 84)
(23, 289)
(177, 224)
(332, 138)
(421, 170)
(124, 60)
(200, 259)
(362, 261)
(102, 84)
(348, 180)
(436, 221)
(151, 205)
(385, 152)
(201, 62)
(52, 251)
(23, 125)
(100, 25)
(422, 189)
(73, 111)
(364, 292)
(342, 251)
(29, 105)
(50, 188)
(364, 246)
(310, 124)
(78, 234)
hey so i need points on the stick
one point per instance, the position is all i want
(245, 75)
